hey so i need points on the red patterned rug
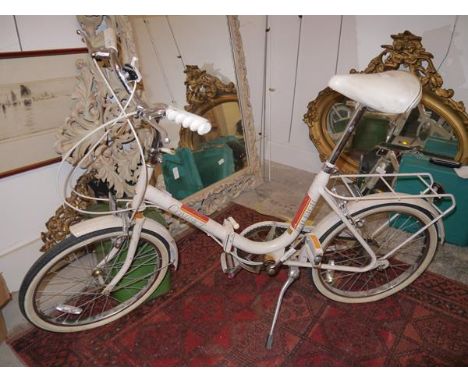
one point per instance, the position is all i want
(210, 320)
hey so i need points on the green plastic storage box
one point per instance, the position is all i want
(443, 147)
(141, 272)
(237, 146)
(456, 226)
(214, 163)
(180, 173)
(369, 133)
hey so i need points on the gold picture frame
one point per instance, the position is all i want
(34, 104)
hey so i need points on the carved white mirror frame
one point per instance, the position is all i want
(90, 93)
(213, 197)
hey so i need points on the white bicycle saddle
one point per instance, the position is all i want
(393, 91)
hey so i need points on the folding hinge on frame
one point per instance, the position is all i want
(230, 224)
(228, 263)
(227, 244)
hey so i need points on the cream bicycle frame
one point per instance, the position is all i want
(226, 236)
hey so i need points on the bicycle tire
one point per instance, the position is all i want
(332, 283)
(60, 259)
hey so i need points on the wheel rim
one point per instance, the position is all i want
(383, 231)
(69, 292)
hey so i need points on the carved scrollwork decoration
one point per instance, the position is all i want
(312, 118)
(408, 52)
(222, 196)
(58, 226)
(203, 88)
(203, 92)
(110, 155)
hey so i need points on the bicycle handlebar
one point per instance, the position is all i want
(129, 73)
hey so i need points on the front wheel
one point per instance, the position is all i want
(383, 227)
(63, 290)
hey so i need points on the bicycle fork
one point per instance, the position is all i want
(132, 247)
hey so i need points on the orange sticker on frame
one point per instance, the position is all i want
(316, 242)
(301, 211)
(195, 214)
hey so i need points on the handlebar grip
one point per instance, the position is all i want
(188, 120)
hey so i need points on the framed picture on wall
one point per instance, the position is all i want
(35, 99)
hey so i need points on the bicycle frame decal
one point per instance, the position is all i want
(194, 214)
(301, 212)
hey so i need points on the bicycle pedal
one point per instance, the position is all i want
(271, 267)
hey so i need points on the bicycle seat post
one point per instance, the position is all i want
(348, 132)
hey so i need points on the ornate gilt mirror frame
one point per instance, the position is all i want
(118, 168)
(406, 51)
(203, 92)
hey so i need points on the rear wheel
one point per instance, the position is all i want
(63, 290)
(383, 227)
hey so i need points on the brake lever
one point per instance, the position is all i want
(152, 117)
(155, 153)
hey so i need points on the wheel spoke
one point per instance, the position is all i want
(382, 233)
(75, 281)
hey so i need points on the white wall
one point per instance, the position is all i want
(9, 41)
(28, 200)
(38, 33)
(316, 50)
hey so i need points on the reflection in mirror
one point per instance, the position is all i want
(168, 47)
(422, 129)
(226, 129)
(216, 155)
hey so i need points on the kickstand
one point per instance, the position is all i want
(292, 276)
